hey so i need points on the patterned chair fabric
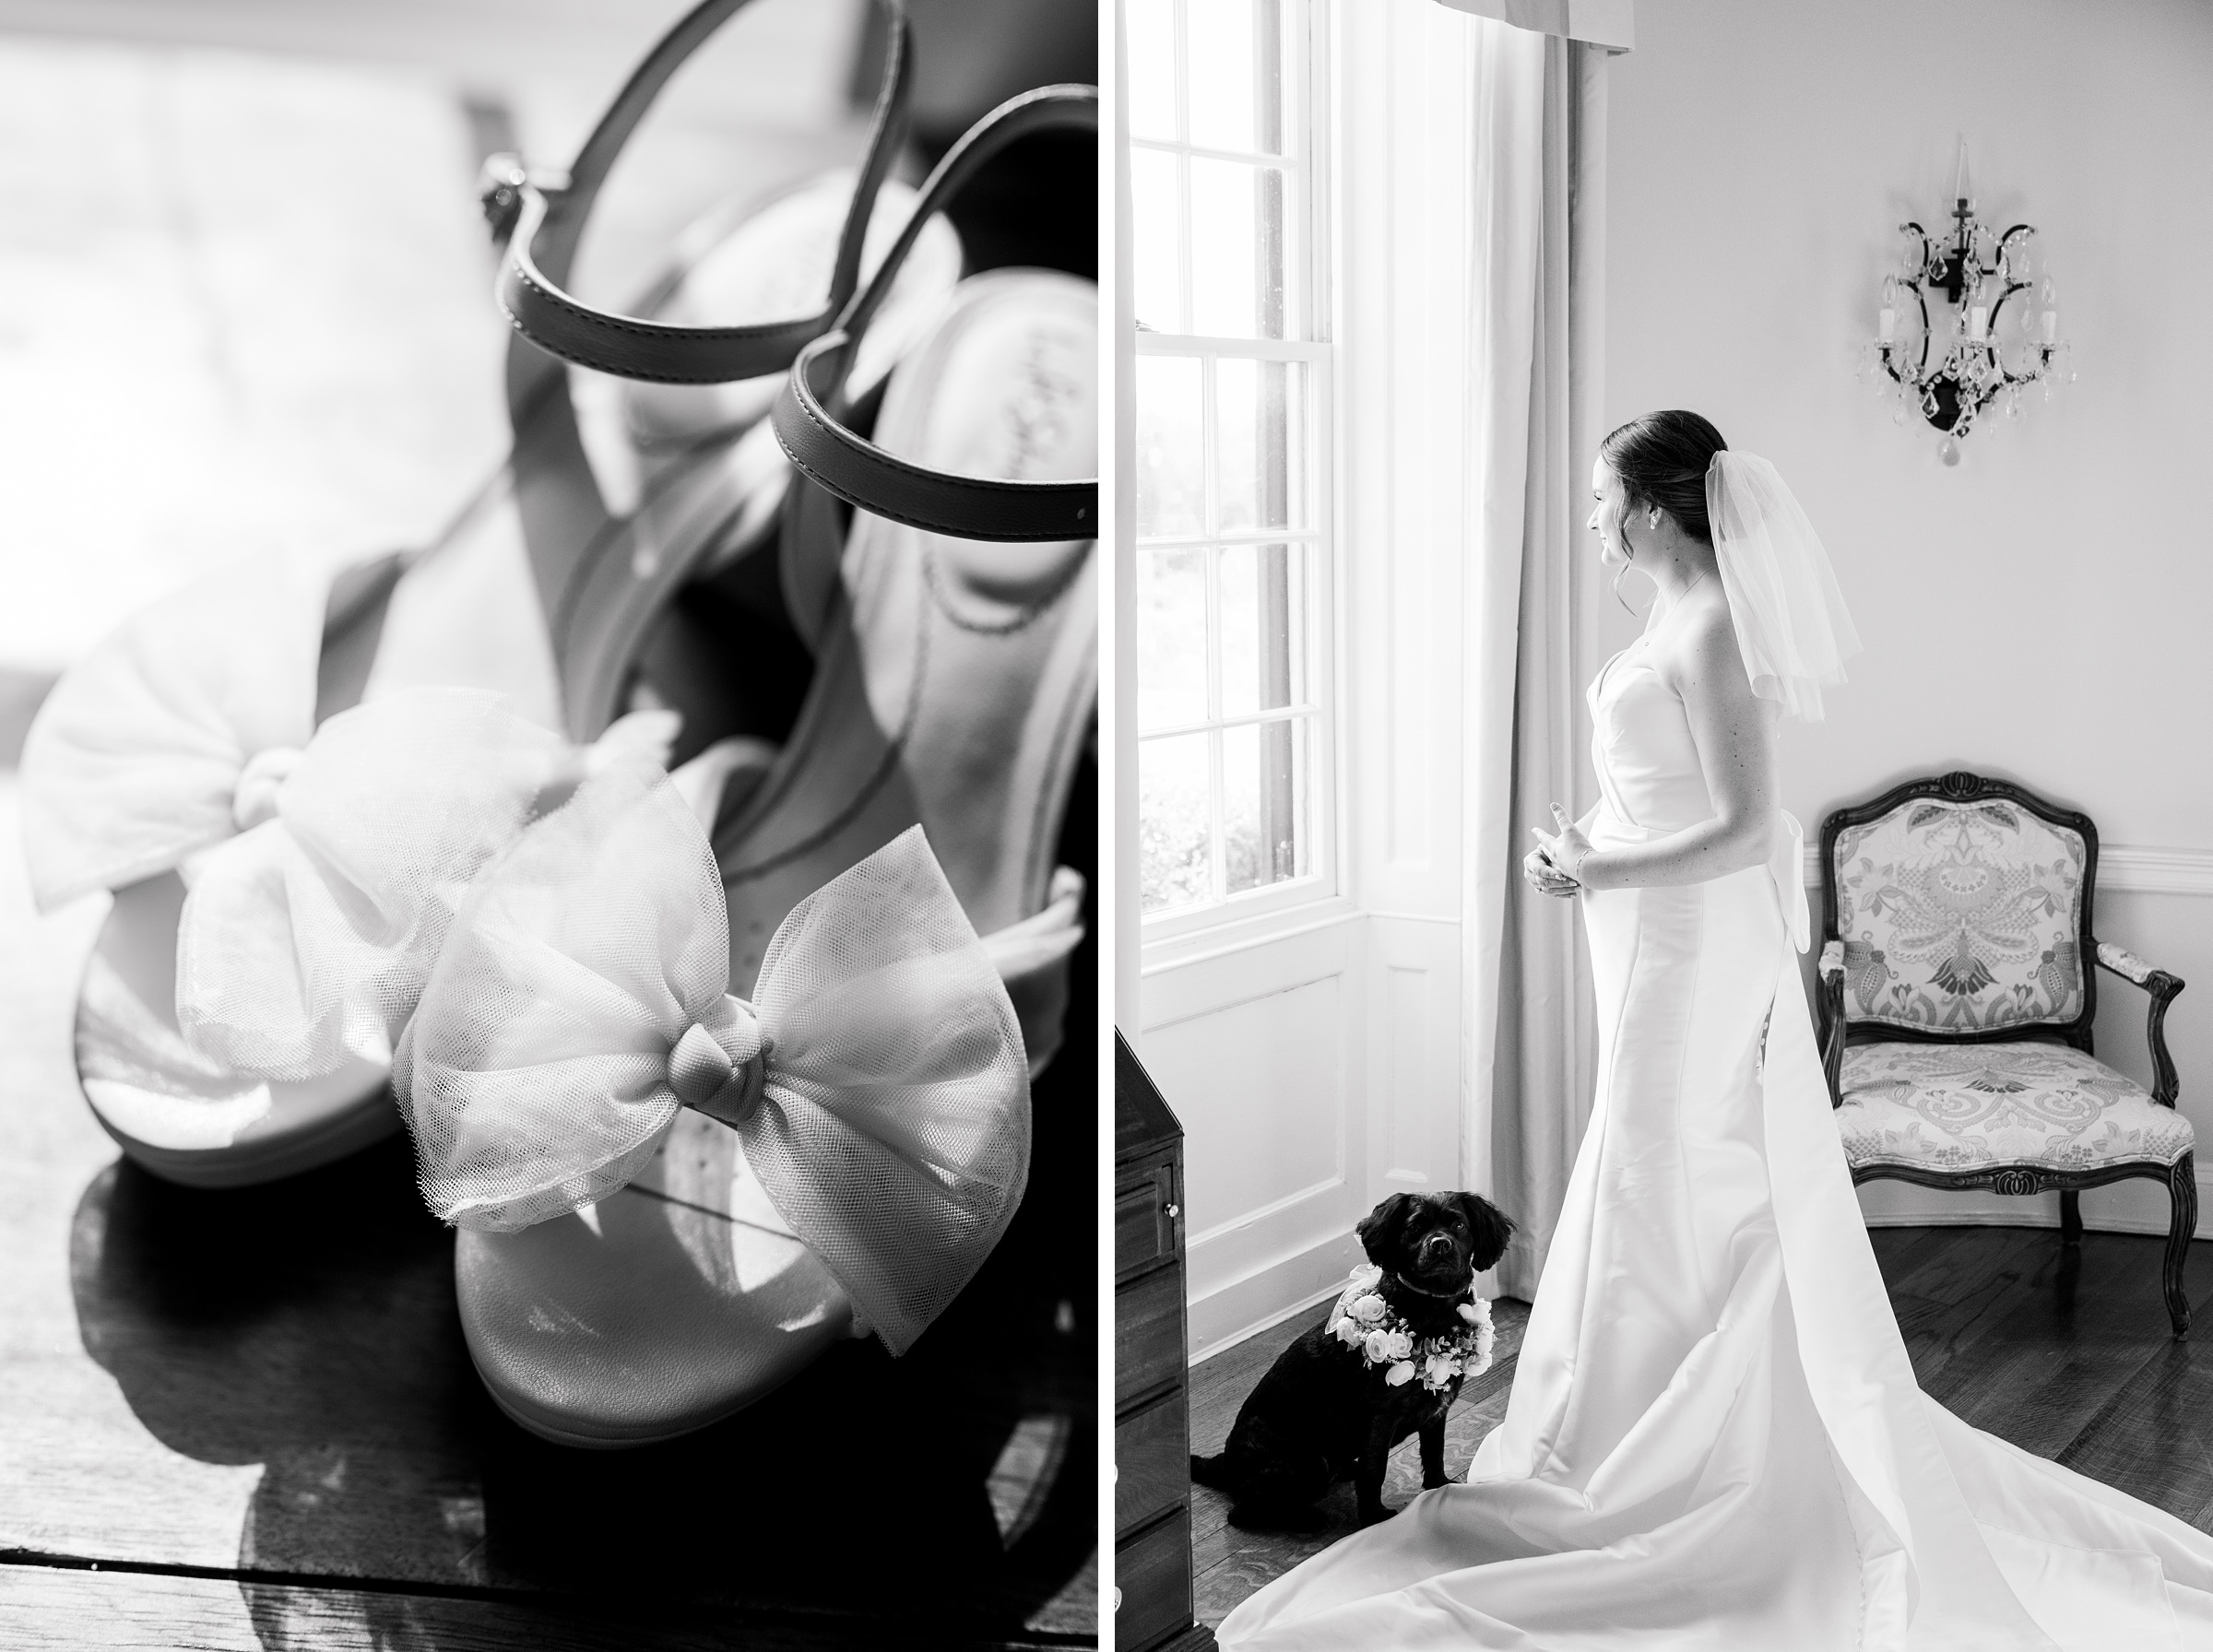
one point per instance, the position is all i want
(1968, 1106)
(1961, 917)
(1956, 1006)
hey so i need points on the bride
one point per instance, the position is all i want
(1714, 1439)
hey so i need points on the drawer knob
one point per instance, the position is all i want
(1172, 1211)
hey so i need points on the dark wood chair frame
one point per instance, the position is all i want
(1838, 1030)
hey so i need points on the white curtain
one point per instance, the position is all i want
(1538, 257)
(1605, 22)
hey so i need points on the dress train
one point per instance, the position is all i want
(1714, 1437)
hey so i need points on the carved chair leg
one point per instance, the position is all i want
(2182, 1193)
(2070, 1217)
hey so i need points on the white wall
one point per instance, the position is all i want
(2043, 611)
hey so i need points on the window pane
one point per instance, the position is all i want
(1171, 452)
(1228, 449)
(1237, 54)
(1171, 637)
(1265, 783)
(1172, 822)
(1263, 625)
(1152, 25)
(1156, 241)
(1237, 256)
(1224, 254)
(1223, 69)
(1259, 414)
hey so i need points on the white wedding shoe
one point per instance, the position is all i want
(278, 889)
(178, 733)
(953, 680)
(871, 1099)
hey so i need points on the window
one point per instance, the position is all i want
(1232, 571)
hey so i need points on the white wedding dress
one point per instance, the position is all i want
(1714, 1439)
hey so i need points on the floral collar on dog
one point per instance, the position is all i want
(1362, 1320)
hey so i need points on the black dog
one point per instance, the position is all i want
(1324, 1414)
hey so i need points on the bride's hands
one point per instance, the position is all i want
(1555, 867)
(1545, 878)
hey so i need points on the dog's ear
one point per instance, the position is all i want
(1490, 1227)
(1381, 1228)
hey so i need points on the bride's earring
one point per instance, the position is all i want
(1628, 558)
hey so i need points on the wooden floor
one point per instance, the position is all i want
(249, 1420)
(2069, 1357)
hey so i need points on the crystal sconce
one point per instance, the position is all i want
(2001, 335)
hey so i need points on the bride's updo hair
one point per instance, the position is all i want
(1662, 459)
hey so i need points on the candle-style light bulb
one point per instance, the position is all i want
(1959, 182)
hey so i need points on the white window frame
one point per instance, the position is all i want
(1252, 916)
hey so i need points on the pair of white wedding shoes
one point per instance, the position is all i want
(707, 1064)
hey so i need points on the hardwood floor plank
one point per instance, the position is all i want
(1219, 1385)
(273, 1383)
(2072, 1359)
(2155, 1435)
(2075, 1335)
(260, 1330)
(132, 1611)
(1949, 1264)
(1899, 1250)
(1952, 1292)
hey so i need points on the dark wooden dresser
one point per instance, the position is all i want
(1152, 1409)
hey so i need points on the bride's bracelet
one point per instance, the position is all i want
(1581, 872)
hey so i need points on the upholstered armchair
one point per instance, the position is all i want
(1957, 999)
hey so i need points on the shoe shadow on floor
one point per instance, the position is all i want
(309, 1326)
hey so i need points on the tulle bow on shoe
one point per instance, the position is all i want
(173, 733)
(306, 940)
(876, 1080)
(322, 863)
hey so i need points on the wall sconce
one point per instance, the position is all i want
(2002, 335)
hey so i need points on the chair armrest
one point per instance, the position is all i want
(1831, 983)
(2163, 989)
(2123, 961)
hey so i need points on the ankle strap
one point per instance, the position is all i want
(543, 218)
(811, 411)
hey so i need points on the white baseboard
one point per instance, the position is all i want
(1244, 1307)
(2028, 1218)
(1250, 1305)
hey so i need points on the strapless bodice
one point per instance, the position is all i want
(1651, 782)
(1648, 766)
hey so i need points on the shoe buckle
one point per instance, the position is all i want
(500, 185)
